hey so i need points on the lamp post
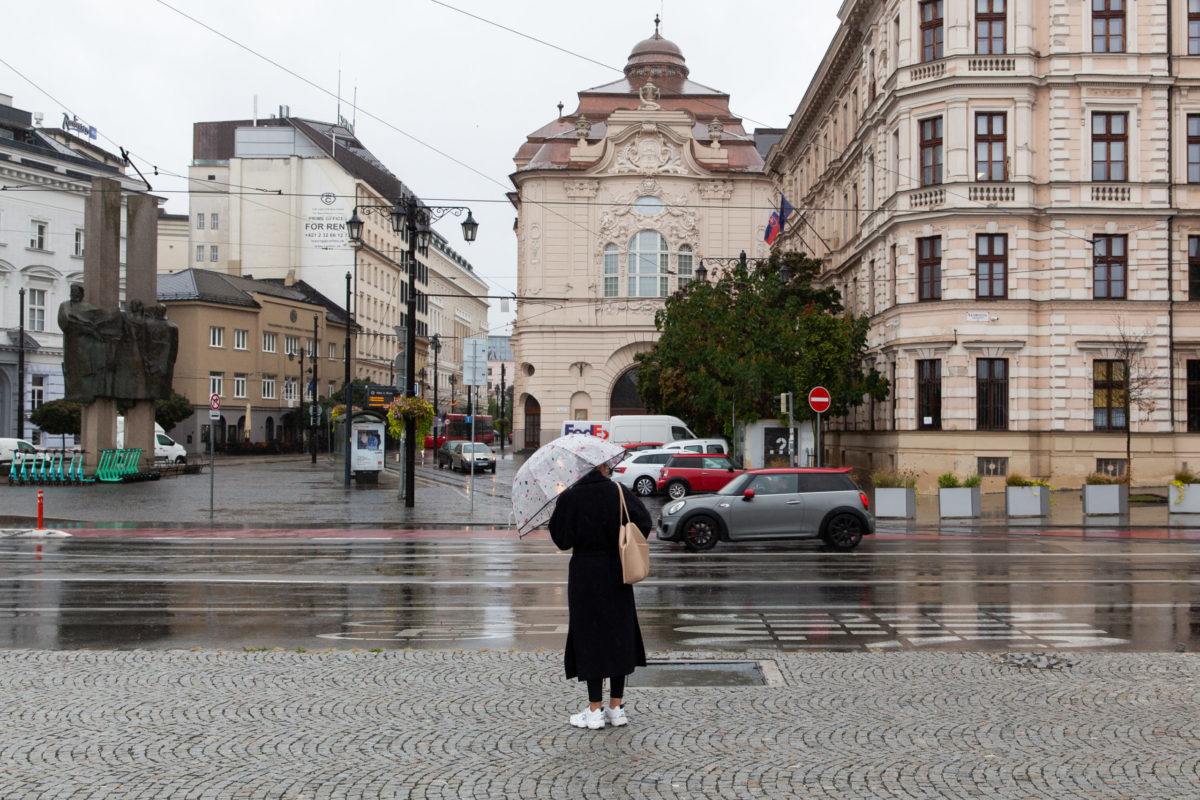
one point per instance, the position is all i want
(312, 411)
(346, 358)
(21, 366)
(502, 431)
(452, 380)
(416, 219)
(435, 344)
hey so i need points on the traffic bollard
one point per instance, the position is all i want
(39, 527)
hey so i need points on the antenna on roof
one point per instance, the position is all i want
(339, 91)
(560, 108)
(656, 22)
(354, 111)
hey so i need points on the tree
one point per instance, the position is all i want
(753, 333)
(172, 410)
(58, 418)
(1142, 383)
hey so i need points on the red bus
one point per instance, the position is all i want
(455, 426)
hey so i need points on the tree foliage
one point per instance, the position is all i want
(172, 410)
(58, 418)
(755, 332)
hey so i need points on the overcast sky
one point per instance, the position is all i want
(444, 99)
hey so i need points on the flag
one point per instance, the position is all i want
(778, 220)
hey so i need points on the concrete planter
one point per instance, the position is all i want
(1108, 499)
(1027, 501)
(1185, 500)
(961, 502)
(896, 502)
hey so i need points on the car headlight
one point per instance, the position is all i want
(675, 508)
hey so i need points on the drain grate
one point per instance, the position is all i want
(699, 673)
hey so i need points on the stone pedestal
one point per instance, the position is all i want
(139, 432)
(98, 427)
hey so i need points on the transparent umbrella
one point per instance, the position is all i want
(551, 469)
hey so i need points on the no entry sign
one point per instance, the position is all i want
(818, 399)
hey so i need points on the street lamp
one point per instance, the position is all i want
(435, 344)
(416, 218)
(312, 411)
(452, 380)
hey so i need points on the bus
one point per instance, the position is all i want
(455, 426)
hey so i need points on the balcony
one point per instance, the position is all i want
(926, 198)
(991, 64)
(1111, 193)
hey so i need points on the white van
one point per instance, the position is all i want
(9, 447)
(714, 446)
(165, 448)
(626, 428)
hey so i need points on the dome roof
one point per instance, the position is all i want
(656, 59)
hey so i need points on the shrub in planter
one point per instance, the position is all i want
(1026, 497)
(958, 498)
(895, 494)
(1105, 495)
(1184, 493)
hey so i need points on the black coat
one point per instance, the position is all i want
(603, 638)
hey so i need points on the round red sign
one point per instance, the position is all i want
(818, 399)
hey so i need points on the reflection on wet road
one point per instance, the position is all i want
(951, 593)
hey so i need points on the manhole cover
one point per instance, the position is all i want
(699, 673)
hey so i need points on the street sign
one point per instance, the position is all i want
(214, 401)
(214, 413)
(475, 362)
(818, 399)
(379, 396)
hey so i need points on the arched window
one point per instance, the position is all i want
(684, 266)
(648, 263)
(612, 266)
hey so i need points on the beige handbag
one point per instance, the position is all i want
(635, 552)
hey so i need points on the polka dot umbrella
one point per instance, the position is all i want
(551, 469)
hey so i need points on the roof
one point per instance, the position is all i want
(232, 290)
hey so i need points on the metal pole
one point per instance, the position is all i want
(212, 465)
(817, 440)
(21, 367)
(791, 430)
(312, 412)
(501, 427)
(349, 397)
(471, 480)
(410, 356)
(436, 344)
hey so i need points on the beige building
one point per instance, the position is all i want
(1003, 187)
(252, 343)
(458, 311)
(172, 242)
(617, 202)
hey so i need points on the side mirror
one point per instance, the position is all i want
(748, 494)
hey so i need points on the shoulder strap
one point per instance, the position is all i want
(624, 510)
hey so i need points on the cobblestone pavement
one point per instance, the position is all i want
(487, 724)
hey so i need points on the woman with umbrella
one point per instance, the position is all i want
(603, 636)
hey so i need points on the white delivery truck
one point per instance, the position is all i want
(165, 448)
(630, 428)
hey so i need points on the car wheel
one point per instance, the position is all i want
(700, 533)
(843, 532)
(181, 460)
(644, 486)
(677, 490)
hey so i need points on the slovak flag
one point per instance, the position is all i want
(777, 220)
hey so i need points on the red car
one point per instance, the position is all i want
(633, 447)
(691, 473)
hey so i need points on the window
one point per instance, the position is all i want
(37, 234)
(269, 342)
(612, 264)
(216, 336)
(683, 266)
(931, 30)
(1193, 396)
(268, 387)
(199, 252)
(37, 392)
(291, 345)
(989, 27)
(931, 151)
(213, 221)
(990, 144)
(991, 466)
(929, 268)
(648, 264)
(289, 388)
(1108, 26)
(332, 351)
(991, 394)
(239, 384)
(1193, 147)
(1108, 146)
(216, 383)
(212, 253)
(37, 310)
(1194, 268)
(1193, 27)
(991, 258)
(241, 339)
(78, 243)
(929, 394)
(200, 222)
(1108, 267)
(1108, 395)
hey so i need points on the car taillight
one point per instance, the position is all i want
(662, 473)
(866, 505)
(618, 469)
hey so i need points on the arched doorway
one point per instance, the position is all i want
(270, 429)
(533, 423)
(624, 399)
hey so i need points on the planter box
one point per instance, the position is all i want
(1105, 500)
(1027, 501)
(1184, 501)
(961, 502)
(896, 502)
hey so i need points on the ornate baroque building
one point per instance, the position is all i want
(617, 202)
(1004, 188)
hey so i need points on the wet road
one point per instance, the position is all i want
(979, 592)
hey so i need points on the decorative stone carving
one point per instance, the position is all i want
(649, 154)
(649, 94)
(716, 190)
(581, 188)
(715, 131)
(583, 129)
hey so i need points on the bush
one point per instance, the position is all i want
(1100, 479)
(1017, 479)
(972, 481)
(948, 480)
(1187, 476)
(906, 479)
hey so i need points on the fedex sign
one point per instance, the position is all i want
(597, 429)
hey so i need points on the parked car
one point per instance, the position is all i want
(9, 447)
(639, 470)
(445, 454)
(168, 450)
(634, 447)
(464, 454)
(789, 503)
(699, 445)
(690, 473)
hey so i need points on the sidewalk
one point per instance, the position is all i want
(481, 724)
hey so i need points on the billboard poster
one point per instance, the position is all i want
(366, 443)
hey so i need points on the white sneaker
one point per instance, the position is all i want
(616, 716)
(589, 719)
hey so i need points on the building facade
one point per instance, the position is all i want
(617, 203)
(1004, 188)
(458, 311)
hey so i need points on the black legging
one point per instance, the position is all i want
(596, 688)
